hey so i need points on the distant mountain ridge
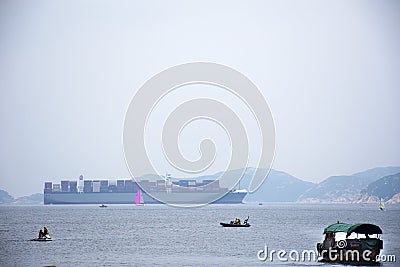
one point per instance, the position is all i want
(5, 197)
(29, 200)
(34, 199)
(278, 187)
(387, 188)
(347, 188)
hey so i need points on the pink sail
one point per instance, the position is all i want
(137, 198)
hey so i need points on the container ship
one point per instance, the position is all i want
(124, 192)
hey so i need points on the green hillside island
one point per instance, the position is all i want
(386, 188)
(350, 188)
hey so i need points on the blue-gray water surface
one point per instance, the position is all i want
(157, 235)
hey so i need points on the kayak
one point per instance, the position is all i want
(235, 225)
(42, 239)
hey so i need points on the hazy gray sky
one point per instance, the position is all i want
(68, 70)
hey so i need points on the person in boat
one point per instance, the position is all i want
(45, 231)
(329, 241)
(41, 235)
(237, 221)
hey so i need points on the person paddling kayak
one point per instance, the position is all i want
(45, 231)
(41, 233)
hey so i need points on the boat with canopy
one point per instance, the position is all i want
(350, 243)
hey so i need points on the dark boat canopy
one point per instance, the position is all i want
(359, 228)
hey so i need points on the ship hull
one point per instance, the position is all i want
(67, 198)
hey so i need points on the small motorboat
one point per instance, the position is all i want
(236, 223)
(42, 239)
(231, 224)
(103, 206)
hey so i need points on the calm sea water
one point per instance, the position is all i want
(156, 235)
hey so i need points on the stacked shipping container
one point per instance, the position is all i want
(87, 186)
(96, 186)
(48, 187)
(121, 185)
(73, 186)
(64, 186)
(56, 188)
(104, 186)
